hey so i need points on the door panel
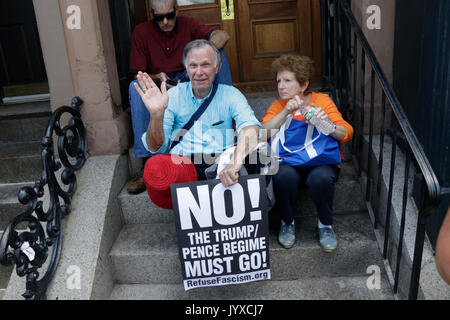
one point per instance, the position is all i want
(284, 31)
(268, 29)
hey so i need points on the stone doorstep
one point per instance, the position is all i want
(91, 224)
(9, 209)
(432, 286)
(9, 212)
(10, 206)
(20, 162)
(148, 253)
(140, 209)
(34, 109)
(317, 288)
(15, 170)
(9, 191)
(5, 274)
(19, 149)
(23, 130)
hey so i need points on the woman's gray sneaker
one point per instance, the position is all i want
(327, 239)
(286, 237)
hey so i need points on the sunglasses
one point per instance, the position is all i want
(168, 16)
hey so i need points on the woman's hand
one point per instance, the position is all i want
(293, 105)
(340, 131)
(155, 100)
(320, 113)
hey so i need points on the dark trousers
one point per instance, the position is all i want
(320, 181)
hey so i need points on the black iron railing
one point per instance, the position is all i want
(346, 52)
(28, 237)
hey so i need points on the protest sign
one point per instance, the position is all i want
(223, 233)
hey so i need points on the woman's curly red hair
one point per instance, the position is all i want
(301, 66)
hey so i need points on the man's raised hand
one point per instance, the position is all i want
(155, 100)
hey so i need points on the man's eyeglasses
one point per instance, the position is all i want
(168, 16)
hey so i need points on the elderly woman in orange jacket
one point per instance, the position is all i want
(293, 77)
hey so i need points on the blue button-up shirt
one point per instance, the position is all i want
(213, 132)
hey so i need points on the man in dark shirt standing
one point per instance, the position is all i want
(157, 48)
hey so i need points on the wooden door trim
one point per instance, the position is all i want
(242, 32)
(316, 36)
(305, 34)
(259, 21)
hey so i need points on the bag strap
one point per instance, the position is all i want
(197, 114)
(308, 140)
(279, 136)
(276, 138)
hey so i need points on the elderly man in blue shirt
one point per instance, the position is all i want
(213, 132)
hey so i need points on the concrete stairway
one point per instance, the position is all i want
(146, 263)
(21, 128)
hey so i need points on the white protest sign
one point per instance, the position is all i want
(222, 232)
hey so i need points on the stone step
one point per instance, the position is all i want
(148, 253)
(139, 208)
(5, 274)
(10, 206)
(25, 110)
(24, 122)
(261, 101)
(20, 162)
(23, 130)
(317, 288)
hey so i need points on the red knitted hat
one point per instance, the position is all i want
(163, 170)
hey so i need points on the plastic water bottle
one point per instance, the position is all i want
(324, 126)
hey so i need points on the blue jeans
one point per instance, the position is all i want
(320, 181)
(140, 117)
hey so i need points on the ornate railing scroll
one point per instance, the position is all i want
(28, 247)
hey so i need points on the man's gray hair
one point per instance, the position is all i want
(155, 4)
(200, 43)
